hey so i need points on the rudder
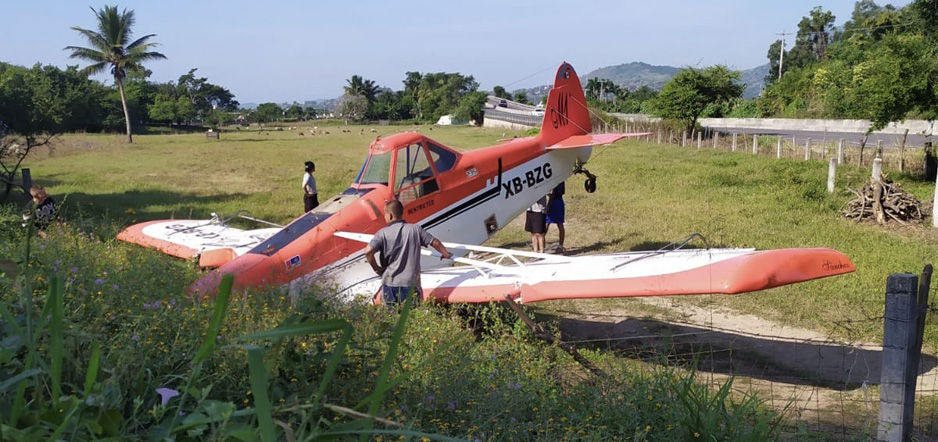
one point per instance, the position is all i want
(566, 113)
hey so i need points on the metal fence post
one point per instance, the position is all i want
(906, 304)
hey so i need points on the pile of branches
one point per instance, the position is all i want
(884, 201)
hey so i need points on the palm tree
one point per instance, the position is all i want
(361, 87)
(593, 86)
(109, 47)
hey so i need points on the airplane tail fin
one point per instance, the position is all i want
(566, 113)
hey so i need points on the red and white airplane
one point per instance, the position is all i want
(463, 198)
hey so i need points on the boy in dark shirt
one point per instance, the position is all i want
(42, 210)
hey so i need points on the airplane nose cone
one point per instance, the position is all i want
(249, 270)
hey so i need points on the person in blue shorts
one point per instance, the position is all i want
(555, 213)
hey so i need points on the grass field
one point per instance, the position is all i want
(648, 195)
(497, 384)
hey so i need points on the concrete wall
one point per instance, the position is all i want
(492, 122)
(916, 127)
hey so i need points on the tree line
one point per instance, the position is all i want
(881, 65)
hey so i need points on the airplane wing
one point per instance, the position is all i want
(654, 273)
(213, 241)
(593, 140)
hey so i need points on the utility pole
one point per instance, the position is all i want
(781, 53)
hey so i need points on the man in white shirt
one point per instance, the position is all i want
(310, 195)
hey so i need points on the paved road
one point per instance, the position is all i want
(852, 139)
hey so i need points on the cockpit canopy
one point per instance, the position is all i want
(409, 163)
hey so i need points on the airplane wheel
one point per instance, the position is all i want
(590, 185)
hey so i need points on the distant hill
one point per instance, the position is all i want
(754, 79)
(637, 74)
(634, 75)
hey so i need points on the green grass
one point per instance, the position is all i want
(117, 334)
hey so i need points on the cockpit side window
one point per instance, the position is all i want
(412, 166)
(376, 170)
(442, 158)
(413, 175)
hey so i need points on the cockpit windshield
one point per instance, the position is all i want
(376, 170)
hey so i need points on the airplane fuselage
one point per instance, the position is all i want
(479, 194)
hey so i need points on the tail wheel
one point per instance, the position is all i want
(590, 184)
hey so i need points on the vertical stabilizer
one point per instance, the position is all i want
(565, 114)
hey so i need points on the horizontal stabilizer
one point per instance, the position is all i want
(593, 140)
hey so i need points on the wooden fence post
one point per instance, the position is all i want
(716, 140)
(734, 142)
(906, 305)
(902, 151)
(699, 139)
(934, 206)
(778, 149)
(684, 139)
(27, 180)
(840, 151)
(862, 146)
(807, 149)
(879, 148)
(877, 181)
(755, 144)
(659, 137)
(831, 172)
(670, 135)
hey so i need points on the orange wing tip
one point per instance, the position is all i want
(774, 268)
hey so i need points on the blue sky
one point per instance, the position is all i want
(283, 51)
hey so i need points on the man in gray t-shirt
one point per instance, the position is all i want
(399, 243)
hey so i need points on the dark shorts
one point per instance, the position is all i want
(535, 222)
(391, 296)
(555, 212)
(311, 202)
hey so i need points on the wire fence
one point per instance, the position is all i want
(828, 389)
(896, 152)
